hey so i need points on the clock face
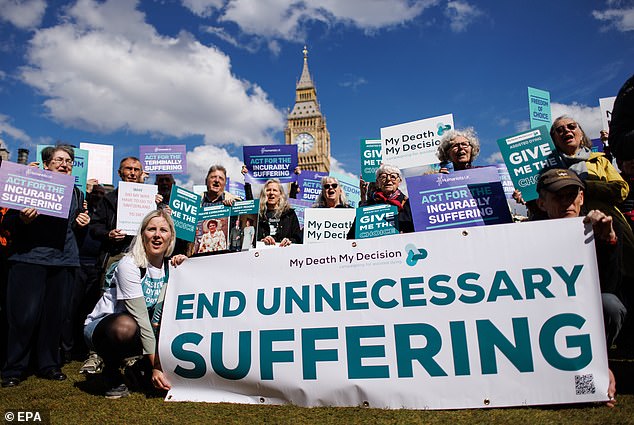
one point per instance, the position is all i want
(305, 142)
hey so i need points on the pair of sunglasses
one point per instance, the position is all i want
(333, 185)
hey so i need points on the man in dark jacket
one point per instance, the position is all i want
(103, 228)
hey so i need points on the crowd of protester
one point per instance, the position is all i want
(80, 287)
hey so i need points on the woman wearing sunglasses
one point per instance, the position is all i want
(331, 194)
(605, 188)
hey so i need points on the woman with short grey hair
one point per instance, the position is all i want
(460, 147)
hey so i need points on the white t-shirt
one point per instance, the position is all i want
(128, 285)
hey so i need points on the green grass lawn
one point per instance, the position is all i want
(80, 401)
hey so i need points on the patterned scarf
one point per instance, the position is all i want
(397, 198)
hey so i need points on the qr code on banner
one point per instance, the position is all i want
(584, 384)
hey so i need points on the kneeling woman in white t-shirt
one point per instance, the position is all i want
(124, 321)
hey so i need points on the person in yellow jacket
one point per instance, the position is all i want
(605, 188)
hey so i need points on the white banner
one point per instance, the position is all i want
(326, 224)
(415, 143)
(134, 201)
(606, 104)
(494, 316)
(99, 161)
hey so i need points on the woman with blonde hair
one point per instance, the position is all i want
(277, 221)
(124, 323)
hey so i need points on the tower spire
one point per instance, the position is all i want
(305, 81)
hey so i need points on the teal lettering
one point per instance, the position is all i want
(356, 352)
(292, 297)
(226, 307)
(405, 354)
(582, 342)
(407, 291)
(530, 284)
(497, 291)
(244, 356)
(205, 305)
(311, 355)
(489, 337)
(200, 368)
(268, 356)
(450, 295)
(262, 309)
(333, 300)
(181, 306)
(478, 291)
(376, 295)
(569, 279)
(460, 349)
(351, 296)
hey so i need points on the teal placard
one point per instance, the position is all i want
(184, 205)
(526, 155)
(539, 107)
(376, 220)
(370, 158)
(80, 165)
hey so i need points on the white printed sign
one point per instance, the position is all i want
(606, 104)
(432, 320)
(99, 161)
(415, 143)
(326, 224)
(135, 201)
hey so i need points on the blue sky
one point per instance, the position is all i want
(219, 74)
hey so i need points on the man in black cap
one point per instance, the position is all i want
(561, 196)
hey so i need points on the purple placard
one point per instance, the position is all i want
(309, 183)
(466, 198)
(29, 187)
(270, 162)
(164, 159)
(235, 188)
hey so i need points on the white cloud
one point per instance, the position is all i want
(162, 85)
(338, 167)
(225, 36)
(24, 14)
(522, 126)
(7, 129)
(285, 19)
(494, 158)
(461, 14)
(353, 81)
(588, 116)
(621, 19)
(202, 157)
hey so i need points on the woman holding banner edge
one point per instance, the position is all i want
(125, 321)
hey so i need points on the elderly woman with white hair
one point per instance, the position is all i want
(388, 179)
(460, 147)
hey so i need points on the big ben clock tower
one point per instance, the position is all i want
(306, 126)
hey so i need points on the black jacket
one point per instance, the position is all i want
(105, 220)
(288, 227)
